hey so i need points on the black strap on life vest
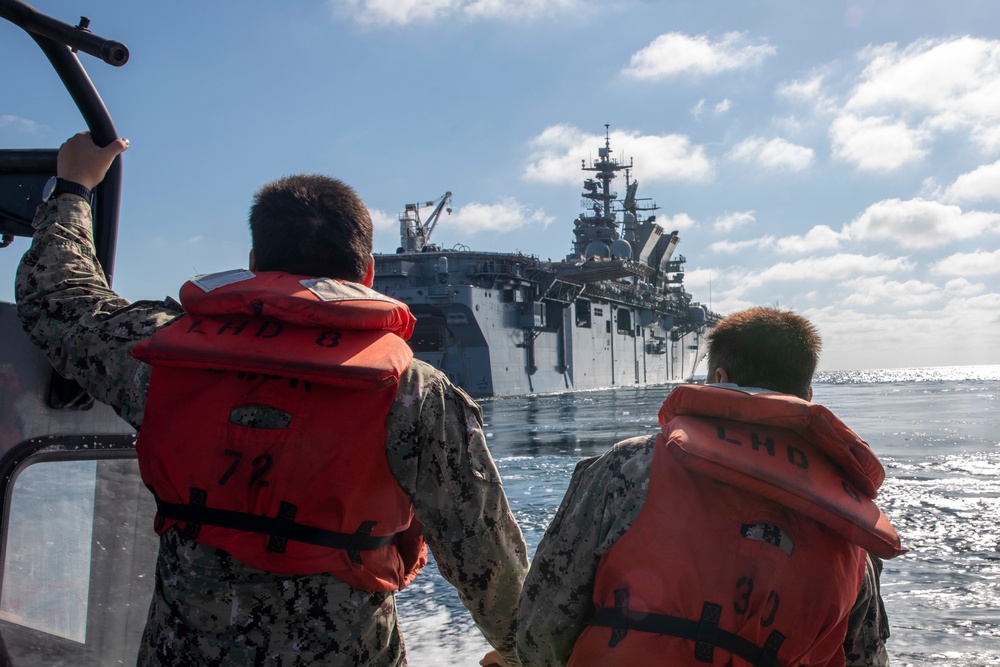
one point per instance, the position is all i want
(280, 529)
(705, 632)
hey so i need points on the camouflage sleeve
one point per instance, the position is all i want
(70, 312)
(868, 624)
(602, 501)
(439, 455)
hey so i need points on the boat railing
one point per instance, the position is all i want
(625, 295)
(496, 267)
(60, 42)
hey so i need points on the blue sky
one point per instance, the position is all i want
(841, 159)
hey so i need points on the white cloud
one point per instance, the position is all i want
(877, 143)
(738, 283)
(398, 12)
(384, 223)
(879, 339)
(505, 216)
(678, 222)
(833, 267)
(403, 12)
(951, 84)
(819, 237)
(867, 291)
(518, 9)
(559, 150)
(811, 91)
(731, 221)
(713, 287)
(929, 189)
(733, 247)
(978, 263)
(719, 108)
(701, 278)
(789, 124)
(726, 303)
(962, 287)
(773, 155)
(978, 185)
(675, 53)
(918, 223)
(20, 125)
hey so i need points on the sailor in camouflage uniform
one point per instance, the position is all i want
(602, 503)
(207, 607)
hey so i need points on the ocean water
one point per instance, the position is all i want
(937, 431)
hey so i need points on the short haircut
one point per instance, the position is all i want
(311, 225)
(767, 348)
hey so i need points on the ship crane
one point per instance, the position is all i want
(414, 234)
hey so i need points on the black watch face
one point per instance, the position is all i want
(50, 185)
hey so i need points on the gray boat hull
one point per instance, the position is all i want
(492, 344)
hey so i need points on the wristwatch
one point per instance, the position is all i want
(55, 186)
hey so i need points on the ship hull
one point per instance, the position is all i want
(492, 344)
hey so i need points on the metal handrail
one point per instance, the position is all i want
(59, 42)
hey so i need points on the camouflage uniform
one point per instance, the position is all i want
(207, 608)
(602, 501)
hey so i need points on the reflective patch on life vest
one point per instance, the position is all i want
(327, 289)
(770, 534)
(213, 281)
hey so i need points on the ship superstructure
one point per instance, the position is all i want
(613, 312)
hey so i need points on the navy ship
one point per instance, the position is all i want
(614, 312)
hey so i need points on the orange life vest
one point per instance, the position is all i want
(264, 430)
(751, 541)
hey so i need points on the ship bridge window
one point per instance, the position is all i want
(582, 313)
(625, 322)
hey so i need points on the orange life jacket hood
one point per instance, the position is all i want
(828, 473)
(365, 328)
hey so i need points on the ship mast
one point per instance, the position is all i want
(602, 225)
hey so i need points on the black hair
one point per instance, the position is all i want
(311, 225)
